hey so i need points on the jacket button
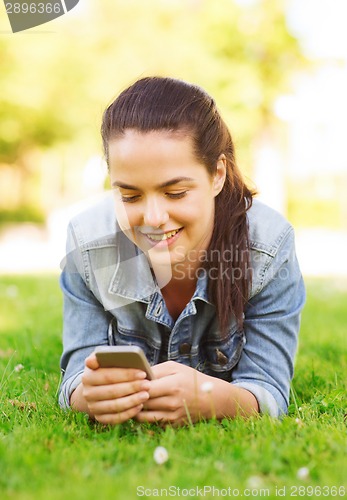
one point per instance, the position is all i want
(185, 348)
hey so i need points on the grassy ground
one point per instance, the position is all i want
(48, 454)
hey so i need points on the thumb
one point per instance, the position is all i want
(166, 368)
(91, 362)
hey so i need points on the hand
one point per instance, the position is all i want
(177, 395)
(113, 395)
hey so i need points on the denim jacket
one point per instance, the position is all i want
(110, 297)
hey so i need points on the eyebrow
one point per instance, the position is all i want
(165, 184)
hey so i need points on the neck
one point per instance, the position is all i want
(182, 275)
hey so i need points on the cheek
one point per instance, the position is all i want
(199, 221)
(195, 215)
(126, 216)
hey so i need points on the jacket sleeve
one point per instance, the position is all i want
(272, 322)
(85, 323)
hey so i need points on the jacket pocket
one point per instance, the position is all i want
(123, 336)
(218, 357)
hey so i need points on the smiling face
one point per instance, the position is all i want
(165, 197)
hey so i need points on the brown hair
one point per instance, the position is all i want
(156, 103)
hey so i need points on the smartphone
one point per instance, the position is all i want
(123, 357)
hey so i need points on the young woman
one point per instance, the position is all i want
(182, 262)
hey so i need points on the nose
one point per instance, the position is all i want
(155, 213)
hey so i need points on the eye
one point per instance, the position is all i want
(176, 196)
(129, 199)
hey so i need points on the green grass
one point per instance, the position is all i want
(46, 453)
(21, 214)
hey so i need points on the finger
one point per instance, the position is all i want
(165, 369)
(114, 391)
(151, 416)
(91, 362)
(161, 387)
(166, 403)
(118, 418)
(120, 405)
(161, 417)
(106, 376)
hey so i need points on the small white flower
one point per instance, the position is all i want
(219, 465)
(18, 368)
(206, 387)
(303, 473)
(12, 291)
(255, 482)
(160, 455)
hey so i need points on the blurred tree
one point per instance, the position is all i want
(54, 86)
(257, 58)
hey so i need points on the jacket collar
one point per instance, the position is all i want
(134, 279)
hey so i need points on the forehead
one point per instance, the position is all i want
(150, 146)
(153, 158)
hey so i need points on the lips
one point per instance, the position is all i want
(162, 236)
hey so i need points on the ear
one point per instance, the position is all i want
(219, 177)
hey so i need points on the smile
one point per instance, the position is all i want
(162, 236)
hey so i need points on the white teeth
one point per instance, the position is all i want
(162, 237)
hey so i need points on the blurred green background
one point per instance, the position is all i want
(278, 83)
